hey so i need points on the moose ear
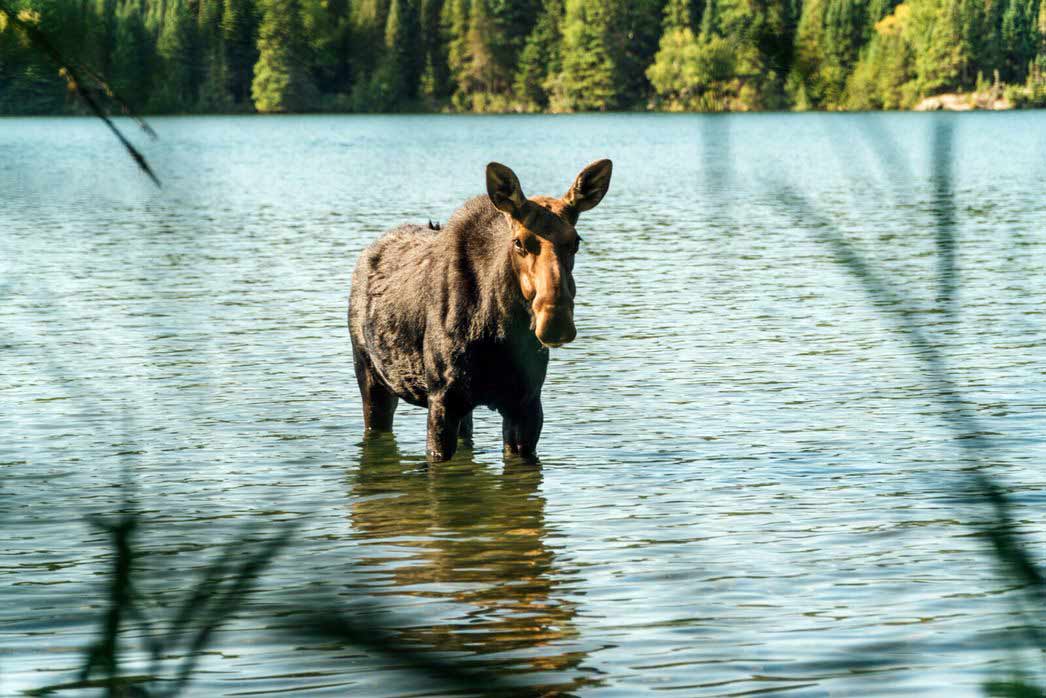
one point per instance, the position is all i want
(503, 189)
(590, 186)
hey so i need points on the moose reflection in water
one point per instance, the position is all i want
(461, 317)
(467, 534)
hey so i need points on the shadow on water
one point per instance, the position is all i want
(175, 642)
(977, 484)
(466, 535)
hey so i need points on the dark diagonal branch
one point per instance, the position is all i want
(72, 74)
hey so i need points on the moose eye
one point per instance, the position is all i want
(519, 246)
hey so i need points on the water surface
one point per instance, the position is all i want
(746, 486)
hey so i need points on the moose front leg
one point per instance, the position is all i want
(444, 423)
(521, 429)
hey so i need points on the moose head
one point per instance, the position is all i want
(544, 242)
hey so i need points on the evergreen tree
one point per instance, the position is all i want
(673, 73)
(368, 32)
(133, 57)
(633, 37)
(829, 38)
(436, 81)
(396, 80)
(240, 42)
(495, 55)
(481, 74)
(512, 21)
(180, 59)
(540, 60)
(882, 77)
(214, 92)
(328, 28)
(282, 82)
(678, 14)
(587, 81)
(105, 37)
(1020, 37)
(454, 25)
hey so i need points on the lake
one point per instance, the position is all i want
(748, 482)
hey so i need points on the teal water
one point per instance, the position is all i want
(747, 484)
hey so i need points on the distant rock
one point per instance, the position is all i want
(968, 101)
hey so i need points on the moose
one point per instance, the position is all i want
(461, 315)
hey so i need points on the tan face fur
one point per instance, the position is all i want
(544, 243)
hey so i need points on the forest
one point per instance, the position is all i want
(238, 56)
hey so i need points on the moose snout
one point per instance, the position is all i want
(554, 324)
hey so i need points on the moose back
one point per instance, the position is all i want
(463, 316)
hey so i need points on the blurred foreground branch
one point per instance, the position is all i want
(1000, 528)
(72, 73)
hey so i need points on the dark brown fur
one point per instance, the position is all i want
(462, 316)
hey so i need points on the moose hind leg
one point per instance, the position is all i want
(521, 429)
(465, 430)
(379, 403)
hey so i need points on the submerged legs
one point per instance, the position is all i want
(521, 429)
(445, 421)
(379, 403)
(465, 430)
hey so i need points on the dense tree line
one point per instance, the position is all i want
(527, 55)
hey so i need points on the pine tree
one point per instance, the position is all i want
(972, 36)
(436, 80)
(181, 61)
(240, 34)
(540, 59)
(1020, 38)
(672, 72)
(282, 82)
(104, 39)
(512, 22)
(587, 81)
(454, 25)
(368, 31)
(328, 30)
(133, 57)
(214, 92)
(633, 39)
(481, 72)
(829, 39)
(396, 80)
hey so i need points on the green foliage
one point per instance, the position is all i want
(691, 73)
(1031, 95)
(541, 61)
(281, 81)
(179, 53)
(434, 83)
(737, 62)
(927, 47)
(396, 81)
(240, 38)
(634, 40)
(829, 38)
(588, 77)
(513, 55)
(133, 60)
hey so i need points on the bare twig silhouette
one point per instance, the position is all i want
(72, 74)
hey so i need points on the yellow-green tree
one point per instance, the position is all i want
(588, 78)
(281, 80)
